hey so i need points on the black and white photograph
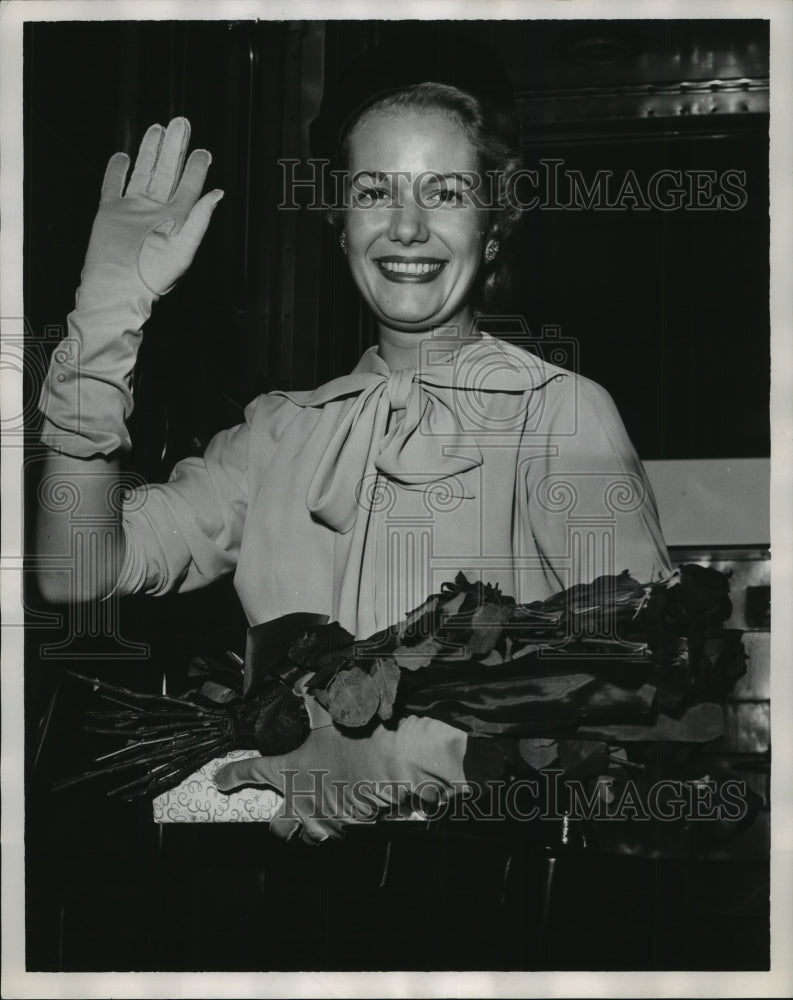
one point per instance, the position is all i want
(394, 479)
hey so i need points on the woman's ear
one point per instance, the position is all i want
(491, 232)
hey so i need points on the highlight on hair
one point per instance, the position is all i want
(493, 133)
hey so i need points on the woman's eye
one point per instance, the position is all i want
(370, 196)
(445, 196)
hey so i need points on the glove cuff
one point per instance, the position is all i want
(86, 398)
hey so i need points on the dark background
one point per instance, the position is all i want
(669, 311)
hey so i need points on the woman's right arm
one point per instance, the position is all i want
(143, 239)
(89, 521)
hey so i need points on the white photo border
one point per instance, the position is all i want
(16, 981)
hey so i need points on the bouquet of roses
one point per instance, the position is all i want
(556, 677)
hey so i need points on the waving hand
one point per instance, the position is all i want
(156, 225)
(143, 239)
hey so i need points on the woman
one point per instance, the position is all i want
(444, 450)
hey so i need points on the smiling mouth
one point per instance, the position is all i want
(418, 269)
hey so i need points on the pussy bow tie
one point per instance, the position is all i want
(442, 405)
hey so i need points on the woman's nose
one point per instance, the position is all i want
(408, 224)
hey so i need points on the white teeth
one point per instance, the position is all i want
(403, 267)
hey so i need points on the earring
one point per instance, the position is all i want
(343, 242)
(491, 250)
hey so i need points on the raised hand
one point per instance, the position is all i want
(143, 240)
(154, 227)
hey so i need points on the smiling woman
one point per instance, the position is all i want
(414, 243)
(444, 450)
(359, 483)
(429, 167)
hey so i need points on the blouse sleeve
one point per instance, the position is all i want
(591, 508)
(185, 533)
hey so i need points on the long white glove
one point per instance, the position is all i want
(143, 240)
(334, 779)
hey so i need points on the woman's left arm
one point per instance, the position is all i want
(590, 506)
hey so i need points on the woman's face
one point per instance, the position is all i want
(414, 236)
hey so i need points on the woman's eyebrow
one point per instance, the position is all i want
(431, 175)
(455, 176)
(375, 175)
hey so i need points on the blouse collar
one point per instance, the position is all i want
(435, 440)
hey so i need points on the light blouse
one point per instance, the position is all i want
(360, 498)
